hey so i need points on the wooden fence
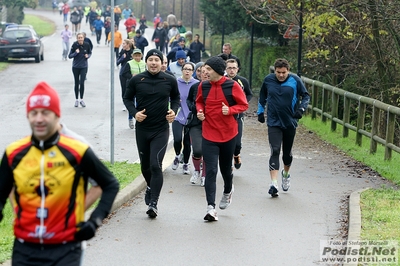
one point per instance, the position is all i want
(330, 102)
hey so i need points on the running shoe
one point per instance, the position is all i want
(175, 163)
(185, 169)
(273, 191)
(226, 200)
(203, 181)
(152, 211)
(131, 124)
(82, 103)
(211, 214)
(237, 161)
(76, 103)
(195, 177)
(147, 196)
(285, 182)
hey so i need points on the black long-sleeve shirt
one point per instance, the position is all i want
(153, 93)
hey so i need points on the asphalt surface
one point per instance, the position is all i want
(255, 230)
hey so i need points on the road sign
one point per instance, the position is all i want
(292, 32)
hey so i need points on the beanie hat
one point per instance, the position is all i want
(43, 96)
(217, 64)
(138, 31)
(199, 64)
(181, 39)
(180, 54)
(156, 53)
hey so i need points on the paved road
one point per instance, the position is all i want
(93, 121)
(254, 230)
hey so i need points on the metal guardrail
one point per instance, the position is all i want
(325, 103)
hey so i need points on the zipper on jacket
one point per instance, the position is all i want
(42, 194)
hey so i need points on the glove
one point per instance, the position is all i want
(261, 118)
(299, 113)
(87, 230)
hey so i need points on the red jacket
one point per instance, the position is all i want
(130, 23)
(216, 126)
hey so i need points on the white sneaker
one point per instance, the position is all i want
(76, 103)
(226, 200)
(211, 214)
(175, 163)
(195, 177)
(285, 182)
(124, 109)
(203, 181)
(185, 169)
(131, 124)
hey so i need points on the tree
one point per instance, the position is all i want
(15, 9)
(353, 44)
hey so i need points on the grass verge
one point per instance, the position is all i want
(43, 26)
(380, 208)
(123, 171)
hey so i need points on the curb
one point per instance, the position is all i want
(135, 187)
(354, 218)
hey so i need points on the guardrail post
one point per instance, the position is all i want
(324, 103)
(346, 116)
(334, 111)
(360, 121)
(389, 134)
(314, 100)
(374, 128)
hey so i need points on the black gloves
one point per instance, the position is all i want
(87, 230)
(261, 118)
(299, 113)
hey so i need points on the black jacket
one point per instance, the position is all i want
(153, 93)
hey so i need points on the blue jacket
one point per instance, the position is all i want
(282, 99)
(141, 42)
(98, 24)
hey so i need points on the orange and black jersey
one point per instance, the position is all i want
(50, 179)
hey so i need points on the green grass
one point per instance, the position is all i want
(388, 169)
(380, 208)
(42, 25)
(380, 215)
(123, 171)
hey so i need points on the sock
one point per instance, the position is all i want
(196, 163)
(203, 172)
(285, 174)
(275, 183)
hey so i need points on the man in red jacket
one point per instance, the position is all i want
(130, 23)
(218, 102)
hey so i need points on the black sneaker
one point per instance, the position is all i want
(152, 210)
(273, 191)
(147, 196)
(237, 161)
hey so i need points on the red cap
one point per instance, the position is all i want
(43, 96)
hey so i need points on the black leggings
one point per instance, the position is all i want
(152, 147)
(196, 140)
(277, 137)
(160, 46)
(178, 130)
(238, 137)
(79, 77)
(212, 153)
